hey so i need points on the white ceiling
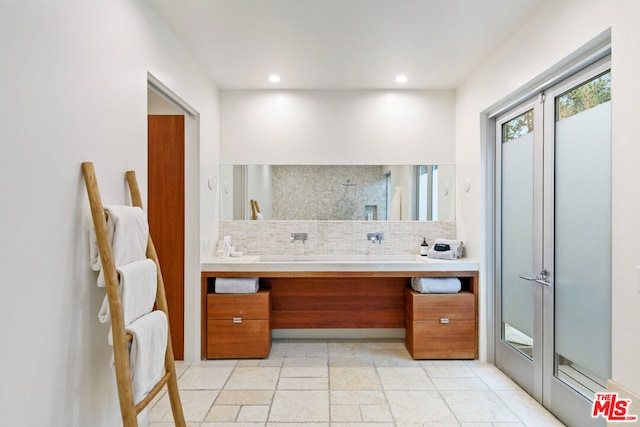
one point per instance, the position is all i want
(342, 44)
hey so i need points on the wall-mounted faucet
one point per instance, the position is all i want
(298, 236)
(375, 237)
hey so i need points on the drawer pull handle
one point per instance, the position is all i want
(444, 320)
(237, 320)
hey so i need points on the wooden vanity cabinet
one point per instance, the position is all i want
(238, 325)
(441, 326)
(438, 326)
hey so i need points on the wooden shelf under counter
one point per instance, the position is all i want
(337, 302)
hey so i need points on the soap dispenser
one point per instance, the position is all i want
(424, 247)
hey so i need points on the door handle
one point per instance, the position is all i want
(542, 278)
(543, 282)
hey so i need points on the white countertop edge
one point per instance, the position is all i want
(253, 263)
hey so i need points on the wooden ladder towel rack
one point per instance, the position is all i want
(128, 407)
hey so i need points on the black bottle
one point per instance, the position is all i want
(424, 248)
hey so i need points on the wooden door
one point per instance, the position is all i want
(166, 213)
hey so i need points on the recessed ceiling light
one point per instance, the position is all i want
(401, 78)
(274, 78)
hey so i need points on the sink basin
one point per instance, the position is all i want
(338, 258)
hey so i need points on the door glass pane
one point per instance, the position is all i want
(582, 196)
(517, 232)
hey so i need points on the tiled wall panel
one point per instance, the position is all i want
(334, 237)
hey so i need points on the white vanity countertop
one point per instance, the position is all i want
(321, 263)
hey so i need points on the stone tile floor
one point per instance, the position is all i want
(348, 383)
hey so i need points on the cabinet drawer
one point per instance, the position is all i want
(430, 339)
(245, 306)
(248, 339)
(438, 306)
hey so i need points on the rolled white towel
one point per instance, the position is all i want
(457, 246)
(237, 285)
(432, 253)
(436, 285)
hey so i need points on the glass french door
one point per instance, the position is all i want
(553, 244)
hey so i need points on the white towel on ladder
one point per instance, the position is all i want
(148, 349)
(128, 234)
(138, 286)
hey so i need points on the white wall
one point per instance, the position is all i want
(446, 192)
(559, 28)
(227, 192)
(74, 88)
(337, 127)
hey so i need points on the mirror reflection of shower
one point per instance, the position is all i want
(346, 208)
(337, 192)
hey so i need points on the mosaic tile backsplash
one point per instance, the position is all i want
(333, 237)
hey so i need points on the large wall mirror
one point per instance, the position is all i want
(337, 192)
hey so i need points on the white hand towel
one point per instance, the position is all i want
(457, 246)
(237, 285)
(148, 349)
(436, 285)
(128, 233)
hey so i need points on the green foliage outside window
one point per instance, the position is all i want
(518, 126)
(588, 95)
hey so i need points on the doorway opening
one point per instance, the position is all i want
(546, 150)
(173, 208)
